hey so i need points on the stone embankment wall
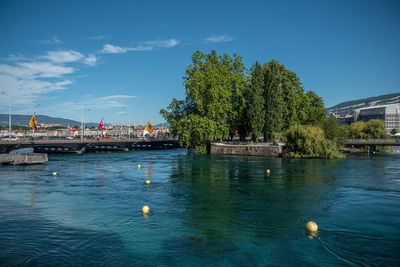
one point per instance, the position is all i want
(26, 158)
(250, 149)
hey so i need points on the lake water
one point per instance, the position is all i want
(204, 210)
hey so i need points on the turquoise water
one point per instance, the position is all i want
(204, 210)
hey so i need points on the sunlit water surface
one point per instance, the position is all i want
(205, 210)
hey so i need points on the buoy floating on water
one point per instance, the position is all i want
(54, 173)
(138, 166)
(312, 227)
(145, 209)
(147, 181)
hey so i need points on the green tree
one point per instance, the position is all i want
(372, 129)
(334, 132)
(306, 141)
(255, 101)
(215, 100)
(316, 111)
(273, 98)
(291, 88)
(393, 131)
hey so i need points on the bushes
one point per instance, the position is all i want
(304, 141)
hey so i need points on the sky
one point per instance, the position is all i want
(125, 60)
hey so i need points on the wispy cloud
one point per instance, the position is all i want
(24, 79)
(90, 60)
(145, 46)
(63, 56)
(52, 41)
(163, 43)
(220, 38)
(113, 49)
(97, 37)
(115, 97)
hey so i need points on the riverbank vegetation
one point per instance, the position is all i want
(224, 100)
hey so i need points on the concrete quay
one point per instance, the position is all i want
(26, 158)
(247, 149)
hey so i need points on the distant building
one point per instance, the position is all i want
(346, 119)
(49, 125)
(389, 113)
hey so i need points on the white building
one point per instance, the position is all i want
(389, 113)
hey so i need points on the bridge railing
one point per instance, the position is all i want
(377, 142)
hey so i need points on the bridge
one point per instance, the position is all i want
(373, 142)
(62, 146)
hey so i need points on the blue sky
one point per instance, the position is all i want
(119, 57)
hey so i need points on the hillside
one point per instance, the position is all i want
(24, 120)
(348, 106)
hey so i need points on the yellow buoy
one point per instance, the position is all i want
(268, 171)
(312, 226)
(147, 181)
(145, 209)
(54, 173)
(138, 166)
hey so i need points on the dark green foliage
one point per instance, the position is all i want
(305, 141)
(393, 131)
(373, 129)
(255, 101)
(221, 100)
(215, 100)
(273, 98)
(334, 132)
(316, 109)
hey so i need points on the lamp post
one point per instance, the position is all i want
(84, 121)
(9, 115)
(129, 125)
(34, 111)
(81, 130)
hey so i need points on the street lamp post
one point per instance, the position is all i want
(129, 125)
(84, 121)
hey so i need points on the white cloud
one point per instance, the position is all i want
(45, 69)
(220, 38)
(90, 60)
(115, 97)
(63, 56)
(163, 43)
(52, 41)
(30, 70)
(146, 46)
(113, 49)
(97, 37)
(26, 79)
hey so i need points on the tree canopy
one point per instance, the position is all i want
(223, 99)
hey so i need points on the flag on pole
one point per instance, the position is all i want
(101, 126)
(20, 129)
(33, 123)
(149, 127)
(73, 130)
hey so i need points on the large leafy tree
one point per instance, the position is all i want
(273, 98)
(316, 109)
(214, 103)
(255, 101)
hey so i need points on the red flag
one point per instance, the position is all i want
(101, 126)
(73, 130)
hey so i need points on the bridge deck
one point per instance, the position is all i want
(374, 142)
(76, 146)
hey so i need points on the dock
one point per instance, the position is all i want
(25, 158)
